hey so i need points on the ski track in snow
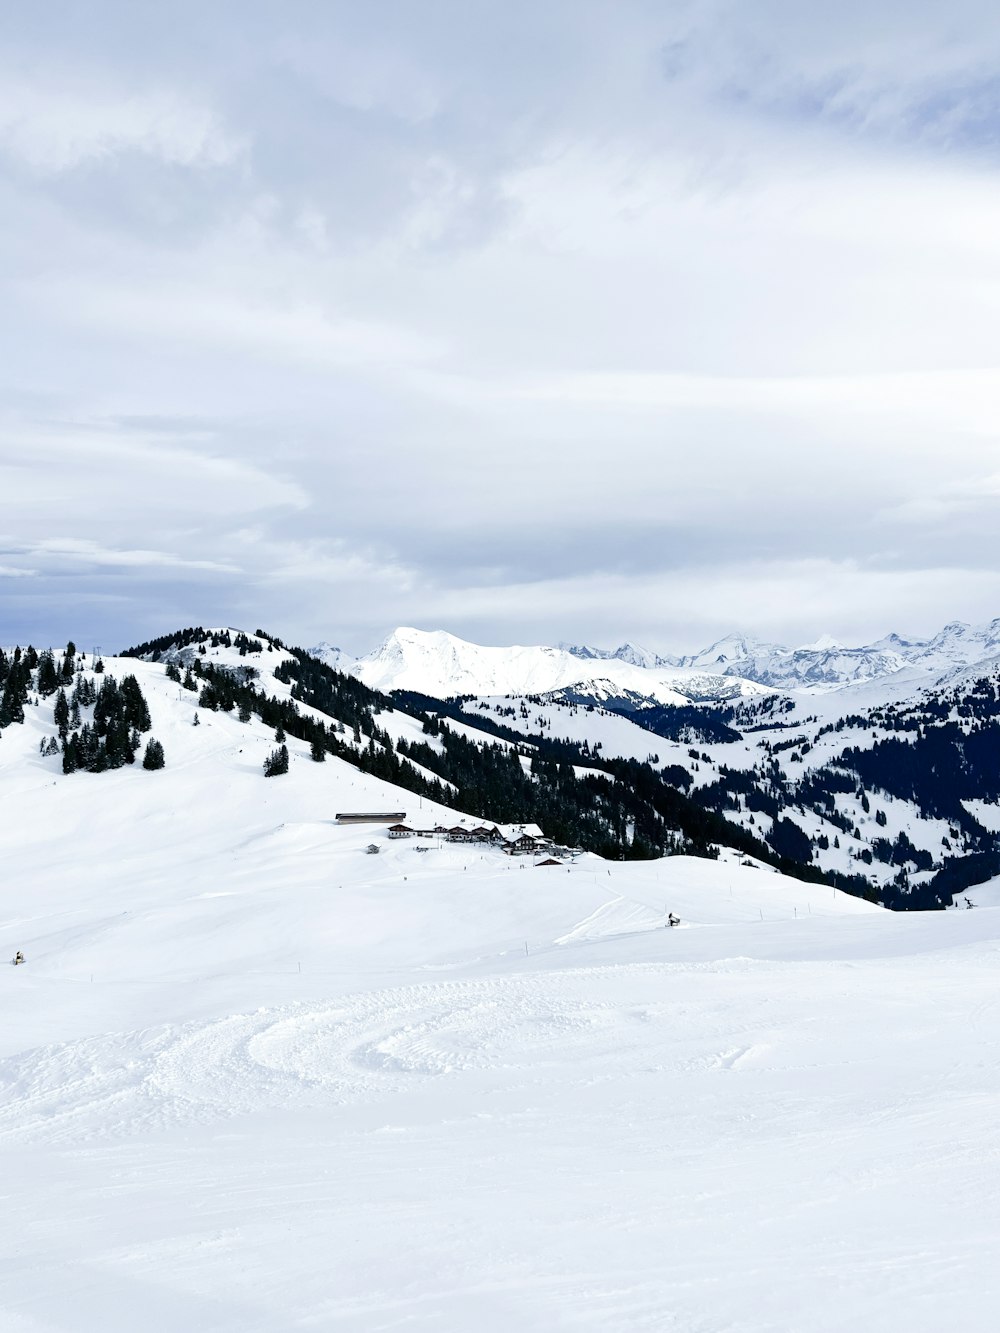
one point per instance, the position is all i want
(361, 1048)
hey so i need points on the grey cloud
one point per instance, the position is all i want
(584, 320)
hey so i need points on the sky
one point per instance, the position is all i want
(575, 321)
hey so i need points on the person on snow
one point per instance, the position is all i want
(18, 958)
(673, 920)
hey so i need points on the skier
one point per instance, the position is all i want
(673, 920)
(18, 958)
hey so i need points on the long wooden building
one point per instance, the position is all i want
(372, 817)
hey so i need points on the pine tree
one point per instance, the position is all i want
(136, 708)
(70, 757)
(153, 758)
(318, 750)
(12, 701)
(61, 713)
(276, 762)
(48, 681)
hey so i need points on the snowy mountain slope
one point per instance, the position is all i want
(825, 664)
(626, 652)
(837, 766)
(441, 665)
(828, 664)
(252, 1078)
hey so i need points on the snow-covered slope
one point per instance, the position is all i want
(439, 664)
(254, 1079)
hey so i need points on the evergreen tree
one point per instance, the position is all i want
(12, 699)
(153, 758)
(48, 680)
(276, 762)
(70, 757)
(317, 750)
(61, 713)
(136, 708)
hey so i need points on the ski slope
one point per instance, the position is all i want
(253, 1079)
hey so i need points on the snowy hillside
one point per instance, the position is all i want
(254, 1078)
(895, 785)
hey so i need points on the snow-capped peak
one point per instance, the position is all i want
(437, 663)
(824, 644)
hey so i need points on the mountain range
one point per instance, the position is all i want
(890, 793)
(440, 664)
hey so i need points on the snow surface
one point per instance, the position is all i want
(254, 1080)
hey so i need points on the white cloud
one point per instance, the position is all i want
(83, 551)
(57, 121)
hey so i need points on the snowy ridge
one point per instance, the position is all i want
(442, 665)
(825, 664)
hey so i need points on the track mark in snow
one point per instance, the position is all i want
(359, 1049)
(735, 1058)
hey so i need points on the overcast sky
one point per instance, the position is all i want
(530, 321)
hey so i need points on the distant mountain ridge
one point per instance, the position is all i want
(825, 664)
(437, 663)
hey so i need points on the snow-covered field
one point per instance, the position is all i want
(255, 1080)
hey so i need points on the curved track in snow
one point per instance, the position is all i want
(358, 1049)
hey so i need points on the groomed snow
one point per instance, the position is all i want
(254, 1080)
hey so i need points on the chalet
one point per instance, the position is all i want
(521, 846)
(549, 861)
(516, 839)
(401, 831)
(460, 833)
